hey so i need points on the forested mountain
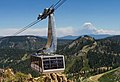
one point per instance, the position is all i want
(86, 53)
(106, 53)
(82, 54)
(26, 42)
(15, 51)
(22, 42)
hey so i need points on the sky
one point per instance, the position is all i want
(74, 17)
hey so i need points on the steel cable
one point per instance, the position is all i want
(26, 27)
(56, 6)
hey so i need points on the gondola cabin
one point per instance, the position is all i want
(48, 64)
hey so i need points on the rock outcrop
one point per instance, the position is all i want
(10, 76)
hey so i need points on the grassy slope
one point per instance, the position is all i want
(104, 77)
(111, 76)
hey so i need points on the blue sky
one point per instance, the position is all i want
(73, 14)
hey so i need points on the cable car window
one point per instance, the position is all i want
(53, 58)
(53, 63)
(60, 63)
(46, 64)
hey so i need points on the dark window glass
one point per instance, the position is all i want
(53, 58)
(46, 64)
(53, 63)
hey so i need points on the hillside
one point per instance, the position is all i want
(106, 53)
(27, 42)
(111, 76)
(15, 51)
(84, 56)
(22, 42)
(87, 53)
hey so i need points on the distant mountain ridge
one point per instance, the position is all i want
(101, 36)
(71, 37)
(22, 42)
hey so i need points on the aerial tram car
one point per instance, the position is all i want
(48, 63)
(45, 60)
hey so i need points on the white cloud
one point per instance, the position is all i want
(87, 28)
(111, 32)
(88, 25)
(63, 31)
(9, 32)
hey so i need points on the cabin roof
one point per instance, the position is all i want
(46, 55)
